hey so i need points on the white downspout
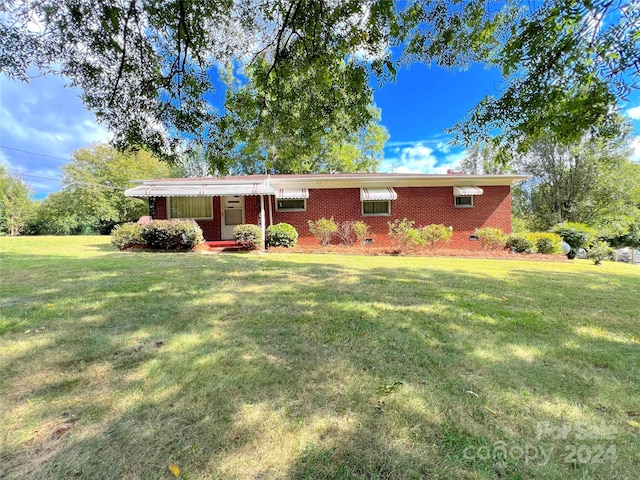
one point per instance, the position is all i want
(270, 211)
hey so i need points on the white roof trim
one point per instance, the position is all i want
(292, 193)
(466, 191)
(369, 194)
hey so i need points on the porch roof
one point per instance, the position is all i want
(201, 190)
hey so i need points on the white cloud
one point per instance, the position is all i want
(635, 147)
(430, 156)
(634, 113)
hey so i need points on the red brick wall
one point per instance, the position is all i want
(424, 205)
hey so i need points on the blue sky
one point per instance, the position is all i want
(46, 118)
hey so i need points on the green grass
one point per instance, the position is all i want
(250, 366)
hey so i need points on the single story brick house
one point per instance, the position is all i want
(218, 204)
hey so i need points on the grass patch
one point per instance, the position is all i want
(115, 364)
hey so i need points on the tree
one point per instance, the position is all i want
(591, 182)
(566, 64)
(484, 159)
(16, 205)
(93, 198)
(144, 67)
(295, 145)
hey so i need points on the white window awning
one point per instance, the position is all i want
(292, 193)
(199, 190)
(466, 191)
(369, 194)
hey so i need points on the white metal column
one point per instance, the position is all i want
(263, 222)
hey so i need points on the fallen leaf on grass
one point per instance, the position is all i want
(62, 429)
(633, 424)
(472, 393)
(489, 410)
(633, 413)
(175, 469)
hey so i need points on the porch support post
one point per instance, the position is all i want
(270, 210)
(263, 223)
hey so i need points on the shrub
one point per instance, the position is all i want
(345, 233)
(127, 235)
(248, 235)
(436, 235)
(323, 229)
(546, 242)
(492, 238)
(282, 235)
(520, 243)
(599, 251)
(577, 235)
(403, 235)
(172, 234)
(361, 231)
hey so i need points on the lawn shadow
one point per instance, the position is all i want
(242, 366)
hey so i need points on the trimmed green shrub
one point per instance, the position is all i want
(362, 231)
(546, 242)
(577, 235)
(172, 234)
(492, 238)
(323, 229)
(436, 235)
(599, 251)
(520, 243)
(127, 235)
(403, 235)
(282, 235)
(248, 235)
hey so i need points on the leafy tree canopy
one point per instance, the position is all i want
(145, 66)
(93, 198)
(16, 205)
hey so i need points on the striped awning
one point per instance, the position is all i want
(292, 193)
(199, 190)
(368, 194)
(466, 191)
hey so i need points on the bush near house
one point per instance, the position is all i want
(492, 238)
(351, 231)
(403, 235)
(127, 235)
(546, 242)
(172, 234)
(323, 229)
(250, 236)
(282, 235)
(436, 235)
(520, 243)
(362, 231)
(577, 235)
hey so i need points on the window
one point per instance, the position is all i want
(376, 207)
(291, 205)
(190, 207)
(464, 201)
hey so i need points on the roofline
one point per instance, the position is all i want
(347, 180)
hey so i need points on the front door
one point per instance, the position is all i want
(232, 215)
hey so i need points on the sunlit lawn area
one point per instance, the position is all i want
(253, 366)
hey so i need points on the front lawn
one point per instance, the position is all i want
(251, 366)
